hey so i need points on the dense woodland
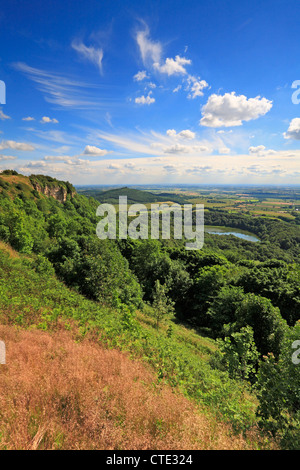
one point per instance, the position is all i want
(243, 296)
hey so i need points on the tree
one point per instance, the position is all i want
(223, 308)
(162, 306)
(240, 354)
(56, 226)
(278, 389)
(268, 325)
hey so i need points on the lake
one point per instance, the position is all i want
(250, 237)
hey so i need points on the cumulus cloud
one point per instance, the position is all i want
(138, 77)
(11, 144)
(230, 110)
(94, 151)
(177, 149)
(293, 131)
(46, 120)
(29, 118)
(258, 149)
(195, 86)
(185, 134)
(90, 53)
(261, 151)
(145, 99)
(173, 66)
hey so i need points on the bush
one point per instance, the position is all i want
(278, 388)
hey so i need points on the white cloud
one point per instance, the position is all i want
(170, 169)
(173, 67)
(231, 110)
(138, 77)
(177, 149)
(113, 167)
(177, 88)
(171, 133)
(3, 116)
(185, 134)
(261, 151)
(224, 150)
(46, 119)
(37, 164)
(89, 53)
(145, 100)
(195, 86)
(11, 144)
(258, 149)
(150, 51)
(94, 151)
(56, 158)
(61, 89)
(293, 131)
(199, 169)
(29, 118)
(6, 157)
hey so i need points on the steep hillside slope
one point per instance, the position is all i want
(69, 383)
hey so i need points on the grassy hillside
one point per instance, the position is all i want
(79, 395)
(72, 371)
(16, 185)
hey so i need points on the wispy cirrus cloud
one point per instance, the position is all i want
(89, 53)
(155, 144)
(150, 50)
(62, 90)
(3, 116)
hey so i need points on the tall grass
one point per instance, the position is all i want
(59, 394)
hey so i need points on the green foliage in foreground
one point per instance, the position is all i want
(30, 297)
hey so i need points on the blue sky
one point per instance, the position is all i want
(136, 92)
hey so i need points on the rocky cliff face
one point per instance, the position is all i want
(57, 192)
(49, 186)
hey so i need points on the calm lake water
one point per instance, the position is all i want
(250, 237)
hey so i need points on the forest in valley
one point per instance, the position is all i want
(220, 323)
